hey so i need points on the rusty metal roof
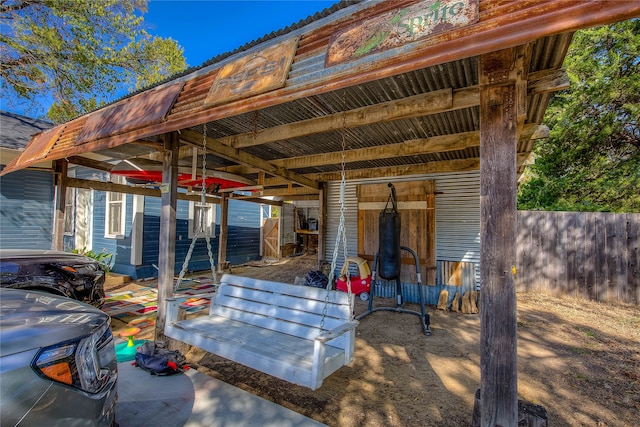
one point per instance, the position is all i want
(409, 109)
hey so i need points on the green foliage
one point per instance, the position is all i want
(591, 160)
(80, 52)
(103, 258)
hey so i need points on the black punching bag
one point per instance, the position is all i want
(389, 240)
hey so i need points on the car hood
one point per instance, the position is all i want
(43, 255)
(30, 319)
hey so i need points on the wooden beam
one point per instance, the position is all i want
(253, 199)
(499, 115)
(408, 148)
(127, 189)
(322, 222)
(298, 197)
(462, 165)
(289, 191)
(167, 237)
(224, 232)
(61, 168)
(435, 102)
(90, 163)
(545, 81)
(239, 156)
(412, 147)
(183, 152)
(414, 106)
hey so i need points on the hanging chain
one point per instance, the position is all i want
(341, 230)
(343, 185)
(207, 233)
(200, 228)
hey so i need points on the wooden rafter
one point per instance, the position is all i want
(195, 138)
(435, 102)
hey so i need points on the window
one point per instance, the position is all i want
(115, 213)
(208, 211)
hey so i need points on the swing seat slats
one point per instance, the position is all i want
(273, 327)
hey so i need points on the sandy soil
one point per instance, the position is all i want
(580, 360)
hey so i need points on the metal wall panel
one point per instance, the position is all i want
(333, 219)
(458, 217)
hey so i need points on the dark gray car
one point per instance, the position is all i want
(57, 362)
(61, 273)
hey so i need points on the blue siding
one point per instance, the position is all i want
(243, 240)
(26, 210)
(119, 248)
(26, 221)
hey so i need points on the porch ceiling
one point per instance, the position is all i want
(412, 109)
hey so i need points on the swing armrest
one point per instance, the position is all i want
(186, 297)
(337, 331)
(173, 305)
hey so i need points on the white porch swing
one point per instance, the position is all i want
(296, 333)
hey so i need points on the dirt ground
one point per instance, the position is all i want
(578, 359)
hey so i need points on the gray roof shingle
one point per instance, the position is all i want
(16, 130)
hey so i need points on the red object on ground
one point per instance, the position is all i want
(358, 284)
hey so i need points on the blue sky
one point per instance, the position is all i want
(207, 28)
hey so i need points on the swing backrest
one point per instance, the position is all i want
(290, 309)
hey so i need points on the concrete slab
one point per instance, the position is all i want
(194, 399)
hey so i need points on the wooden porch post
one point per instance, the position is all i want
(322, 222)
(167, 238)
(61, 168)
(224, 232)
(500, 97)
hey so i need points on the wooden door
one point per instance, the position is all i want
(271, 233)
(416, 205)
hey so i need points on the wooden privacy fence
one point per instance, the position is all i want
(589, 255)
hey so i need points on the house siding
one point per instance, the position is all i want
(26, 210)
(243, 243)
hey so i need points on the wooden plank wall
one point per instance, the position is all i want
(589, 255)
(416, 200)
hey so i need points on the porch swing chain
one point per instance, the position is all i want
(341, 235)
(200, 227)
(203, 192)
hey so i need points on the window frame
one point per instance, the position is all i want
(69, 211)
(108, 234)
(209, 220)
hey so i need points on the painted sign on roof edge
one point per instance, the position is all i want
(253, 74)
(399, 27)
(143, 109)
